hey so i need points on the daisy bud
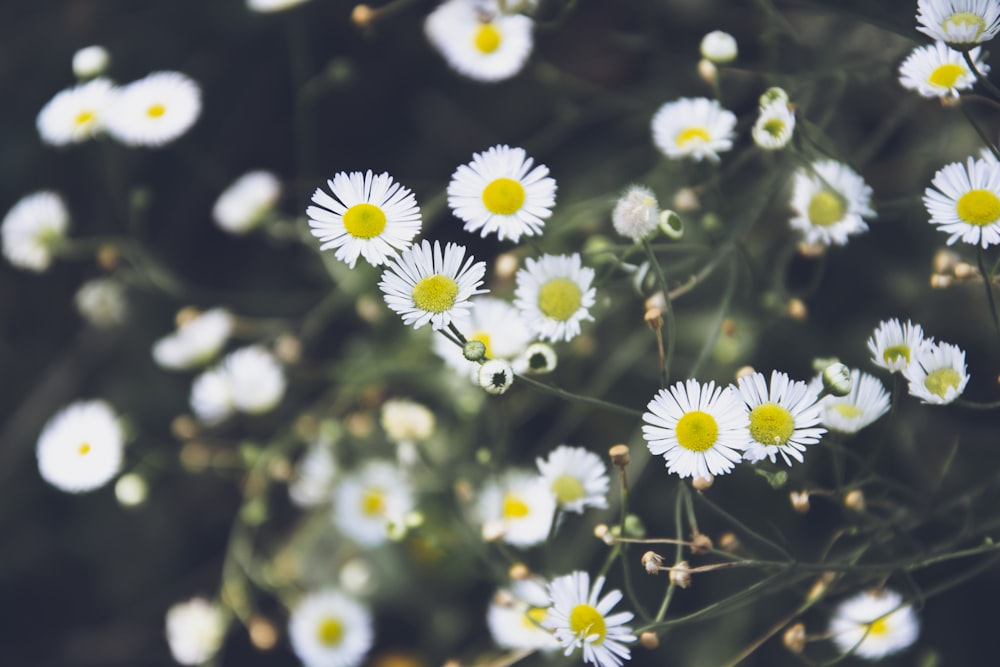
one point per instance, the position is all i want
(90, 62)
(671, 225)
(965, 271)
(369, 309)
(819, 587)
(837, 379)
(945, 261)
(362, 16)
(744, 372)
(729, 542)
(288, 348)
(730, 329)
(505, 265)
(652, 562)
(719, 47)
(940, 281)
(800, 501)
(619, 456)
(108, 256)
(649, 640)
(636, 213)
(541, 358)
(707, 71)
(263, 634)
(701, 544)
(519, 572)
(496, 376)
(686, 199)
(474, 350)
(796, 309)
(602, 533)
(773, 95)
(794, 638)
(634, 527)
(855, 500)
(680, 574)
(702, 483)
(131, 490)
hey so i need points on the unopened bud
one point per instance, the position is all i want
(131, 490)
(474, 350)
(654, 319)
(496, 376)
(744, 372)
(702, 483)
(794, 638)
(837, 379)
(796, 309)
(652, 561)
(619, 456)
(649, 640)
(965, 271)
(107, 257)
(288, 348)
(686, 199)
(541, 358)
(719, 47)
(945, 261)
(729, 328)
(90, 61)
(941, 281)
(505, 265)
(855, 500)
(519, 572)
(728, 542)
(680, 574)
(363, 16)
(603, 533)
(263, 634)
(671, 225)
(773, 95)
(800, 501)
(707, 71)
(634, 527)
(818, 589)
(701, 544)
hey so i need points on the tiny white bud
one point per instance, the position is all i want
(496, 376)
(90, 62)
(719, 47)
(541, 358)
(773, 95)
(131, 490)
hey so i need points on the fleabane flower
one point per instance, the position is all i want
(499, 192)
(75, 114)
(368, 216)
(894, 345)
(783, 417)
(497, 325)
(426, 285)
(328, 629)
(700, 430)
(246, 203)
(102, 302)
(32, 228)
(554, 294)
(517, 508)
(247, 380)
(938, 374)
(270, 6)
(196, 341)
(369, 499)
(407, 421)
(935, 70)
(577, 478)
(874, 624)
(81, 447)
(960, 23)
(495, 376)
(965, 201)
(636, 213)
(90, 62)
(580, 618)
(774, 126)
(195, 630)
(830, 201)
(515, 616)
(719, 47)
(154, 110)
(696, 128)
(479, 41)
(867, 401)
(312, 481)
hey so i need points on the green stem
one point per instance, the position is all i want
(668, 311)
(986, 83)
(988, 281)
(570, 396)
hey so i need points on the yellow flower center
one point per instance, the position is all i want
(533, 617)
(946, 75)
(978, 207)
(156, 110)
(961, 19)
(435, 294)
(483, 338)
(85, 118)
(771, 424)
(503, 196)
(774, 126)
(373, 502)
(696, 133)
(364, 221)
(697, 431)
(586, 621)
(826, 208)
(487, 39)
(514, 507)
(330, 632)
(559, 299)
(878, 627)
(940, 381)
(847, 410)
(894, 353)
(567, 489)
(83, 449)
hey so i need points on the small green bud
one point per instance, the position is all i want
(671, 225)
(774, 95)
(837, 379)
(474, 350)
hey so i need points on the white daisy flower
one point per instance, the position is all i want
(246, 203)
(102, 302)
(718, 47)
(554, 294)
(407, 421)
(329, 629)
(894, 346)
(866, 402)
(75, 114)
(155, 110)
(427, 286)
(369, 499)
(256, 379)
(211, 397)
(636, 213)
(774, 126)
(311, 483)
(497, 325)
(368, 216)
(517, 507)
(196, 341)
(32, 228)
(579, 617)
(498, 192)
(782, 418)
(479, 41)
(90, 61)
(696, 128)
(966, 201)
(935, 70)
(959, 22)
(577, 477)
(830, 201)
(515, 617)
(81, 447)
(700, 430)
(873, 625)
(270, 6)
(195, 630)
(938, 374)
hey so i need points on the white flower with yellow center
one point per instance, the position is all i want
(874, 624)
(329, 629)
(81, 447)
(247, 202)
(517, 507)
(894, 345)
(782, 418)
(696, 128)
(32, 228)
(498, 192)
(75, 114)
(774, 126)
(959, 22)
(368, 216)
(700, 430)
(477, 40)
(196, 341)
(867, 401)
(426, 285)
(579, 617)
(577, 477)
(515, 617)
(938, 71)
(830, 201)
(195, 630)
(371, 498)
(497, 325)
(554, 294)
(938, 375)
(966, 201)
(154, 110)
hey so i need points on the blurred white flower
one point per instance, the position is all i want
(32, 227)
(830, 201)
(245, 203)
(102, 302)
(329, 629)
(636, 213)
(195, 630)
(76, 114)
(478, 41)
(81, 447)
(154, 110)
(517, 507)
(874, 624)
(369, 499)
(196, 341)
(577, 478)
(696, 128)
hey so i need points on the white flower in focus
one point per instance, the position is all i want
(966, 202)
(81, 447)
(938, 375)
(269, 6)
(245, 203)
(636, 213)
(195, 630)
(873, 625)
(196, 341)
(867, 401)
(782, 418)
(959, 22)
(497, 325)
(774, 126)
(75, 114)
(369, 499)
(894, 346)
(830, 200)
(495, 376)
(935, 70)
(577, 478)
(517, 507)
(368, 216)
(329, 629)
(312, 481)
(32, 228)
(102, 302)
(90, 61)
(696, 128)
(406, 421)
(515, 617)
(701, 431)
(256, 380)
(579, 617)
(719, 47)
(155, 110)
(478, 41)
(554, 294)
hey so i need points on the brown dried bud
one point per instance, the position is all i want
(288, 348)
(603, 533)
(619, 455)
(811, 250)
(701, 544)
(729, 542)
(185, 315)
(702, 483)
(686, 200)
(729, 327)
(649, 640)
(796, 309)
(652, 561)
(945, 261)
(941, 281)
(680, 574)
(965, 271)
(707, 71)
(950, 101)
(363, 16)
(107, 257)
(800, 501)
(184, 427)
(654, 319)
(519, 572)
(855, 500)
(819, 587)
(505, 265)
(794, 638)
(263, 634)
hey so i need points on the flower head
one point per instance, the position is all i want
(515, 616)
(329, 629)
(196, 341)
(518, 507)
(554, 294)
(155, 110)
(894, 346)
(959, 22)
(874, 624)
(312, 481)
(370, 499)
(774, 126)
(406, 421)
(938, 374)
(579, 617)
(697, 128)
(195, 630)
(245, 203)
(830, 201)
(935, 70)
(90, 61)
(577, 477)
(966, 201)
(636, 213)
(495, 376)
(75, 114)
(495, 323)
(102, 302)
(248, 380)
(719, 47)
(32, 228)
(782, 418)
(477, 40)
(80, 447)
(867, 401)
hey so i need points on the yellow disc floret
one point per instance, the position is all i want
(156, 110)
(894, 353)
(567, 489)
(826, 208)
(771, 424)
(586, 621)
(687, 135)
(503, 196)
(330, 632)
(978, 207)
(514, 507)
(960, 19)
(373, 502)
(697, 431)
(487, 39)
(846, 410)
(946, 75)
(364, 221)
(84, 449)
(559, 299)
(940, 381)
(435, 294)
